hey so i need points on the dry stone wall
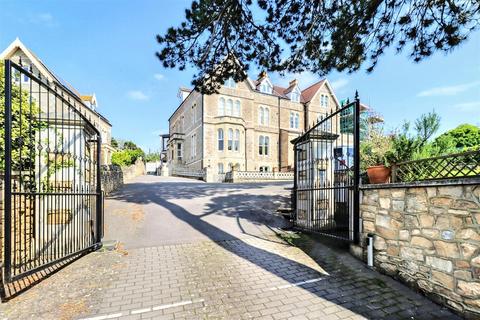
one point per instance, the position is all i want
(429, 237)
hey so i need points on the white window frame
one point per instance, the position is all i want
(229, 107)
(295, 95)
(221, 106)
(263, 145)
(237, 108)
(236, 140)
(220, 140)
(220, 168)
(180, 151)
(266, 87)
(230, 83)
(230, 139)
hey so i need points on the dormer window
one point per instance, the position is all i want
(295, 95)
(230, 83)
(265, 87)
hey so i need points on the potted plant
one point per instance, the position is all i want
(373, 152)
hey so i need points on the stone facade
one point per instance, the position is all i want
(195, 125)
(429, 237)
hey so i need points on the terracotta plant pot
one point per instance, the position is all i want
(378, 174)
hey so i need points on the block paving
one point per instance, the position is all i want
(254, 278)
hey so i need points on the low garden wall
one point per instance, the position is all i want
(112, 178)
(135, 170)
(256, 176)
(428, 236)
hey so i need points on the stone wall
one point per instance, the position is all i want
(428, 236)
(135, 170)
(112, 178)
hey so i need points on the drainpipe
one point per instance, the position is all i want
(279, 140)
(203, 132)
(370, 250)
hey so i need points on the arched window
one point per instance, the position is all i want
(266, 117)
(229, 108)
(230, 83)
(230, 139)
(220, 139)
(221, 107)
(260, 115)
(236, 145)
(237, 108)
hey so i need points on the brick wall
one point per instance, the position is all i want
(429, 237)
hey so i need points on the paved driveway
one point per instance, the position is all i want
(152, 211)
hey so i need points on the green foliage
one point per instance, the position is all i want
(152, 157)
(318, 36)
(129, 145)
(465, 136)
(127, 157)
(407, 146)
(114, 143)
(374, 148)
(25, 124)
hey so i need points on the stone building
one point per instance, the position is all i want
(247, 126)
(86, 104)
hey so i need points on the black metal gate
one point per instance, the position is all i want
(326, 197)
(53, 198)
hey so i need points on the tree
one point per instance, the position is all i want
(129, 145)
(464, 136)
(319, 36)
(407, 146)
(427, 125)
(25, 124)
(152, 157)
(114, 143)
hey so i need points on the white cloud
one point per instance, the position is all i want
(468, 106)
(159, 76)
(448, 90)
(137, 95)
(338, 84)
(43, 18)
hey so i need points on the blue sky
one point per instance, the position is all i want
(108, 47)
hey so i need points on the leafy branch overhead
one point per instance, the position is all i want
(318, 36)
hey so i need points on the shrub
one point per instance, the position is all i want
(126, 157)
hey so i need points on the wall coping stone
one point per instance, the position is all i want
(426, 183)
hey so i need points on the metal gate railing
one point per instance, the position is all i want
(326, 195)
(53, 198)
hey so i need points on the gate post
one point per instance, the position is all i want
(356, 172)
(7, 249)
(99, 213)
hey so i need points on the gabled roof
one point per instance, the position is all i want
(10, 51)
(310, 92)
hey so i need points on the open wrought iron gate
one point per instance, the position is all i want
(52, 197)
(326, 195)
